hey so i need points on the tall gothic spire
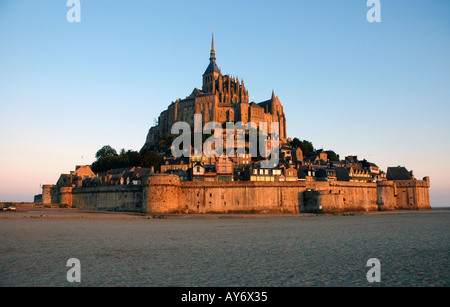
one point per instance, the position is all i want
(213, 51)
(212, 67)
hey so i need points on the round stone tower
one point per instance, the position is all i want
(162, 194)
(47, 194)
(66, 196)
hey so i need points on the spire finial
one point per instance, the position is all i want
(273, 94)
(213, 50)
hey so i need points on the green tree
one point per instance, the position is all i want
(108, 159)
(307, 148)
(134, 158)
(105, 151)
(150, 159)
(295, 143)
(332, 156)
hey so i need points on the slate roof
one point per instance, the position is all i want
(212, 67)
(209, 168)
(366, 163)
(342, 174)
(265, 103)
(300, 174)
(398, 173)
(196, 92)
(177, 161)
(321, 173)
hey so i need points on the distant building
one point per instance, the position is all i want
(358, 174)
(334, 164)
(297, 155)
(399, 173)
(120, 176)
(309, 171)
(301, 175)
(351, 159)
(210, 172)
(258, 173)
(198, 172)
(173, 163)
(224, 168)
(326, 174)
(183, 174)
(342, 174)
(75, 178)
(290, 174)
(222, 99)
(319, 155)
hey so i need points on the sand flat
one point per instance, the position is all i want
(120, 249)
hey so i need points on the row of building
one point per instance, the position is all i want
(292, 166)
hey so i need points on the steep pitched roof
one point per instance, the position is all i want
(176, 161)
(265, 103)
(196, 92)
(398, 173)
(212, 67)
(301, 174)
(342, 174)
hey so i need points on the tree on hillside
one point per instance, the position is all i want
(108, 159)
(105, 151)
(134, 158)
(295, 143)
(306, 146)
(332, 156)
(150, 159)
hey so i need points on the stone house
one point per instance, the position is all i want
(258, 173)
(319, 156)
(224, 168)
(359, 174)
(290, 174)
(198, 172)
(174, 163)
(210, 172)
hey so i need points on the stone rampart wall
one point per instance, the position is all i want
(172, 196)
(166, 194)
(241, 197)
(404, 195)
(110, 198)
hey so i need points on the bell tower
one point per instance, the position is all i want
(212, 71)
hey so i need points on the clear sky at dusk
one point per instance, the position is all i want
(380, 91)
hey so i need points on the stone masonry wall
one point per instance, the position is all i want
(110, 198)
(166, 194)
(404, 195)
(242, 197)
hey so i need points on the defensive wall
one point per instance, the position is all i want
(166, 194)
(125, 198)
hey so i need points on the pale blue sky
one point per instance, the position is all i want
(377, 90)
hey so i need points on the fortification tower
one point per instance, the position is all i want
(162, 194)
(47, 193)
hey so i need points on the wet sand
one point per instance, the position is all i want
(120, 249)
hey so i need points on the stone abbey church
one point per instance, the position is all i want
(222, 99)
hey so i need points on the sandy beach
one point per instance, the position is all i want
(121, 249)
